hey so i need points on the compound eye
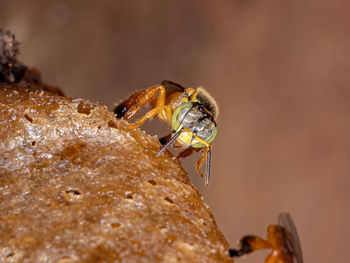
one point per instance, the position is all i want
(179, 115)
(207, 130)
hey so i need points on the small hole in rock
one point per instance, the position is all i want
(152, 182)
(115, 225)
(112, 124)
(84, 108)
(129, 196)
(99, 127)
(168, 200)
(10, 255)
(73, 192)
(71, 195)
(66, 260)
(33, 143)
(28, 118)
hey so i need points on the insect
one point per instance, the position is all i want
(282, 240)
(191, 114)
(10, 69)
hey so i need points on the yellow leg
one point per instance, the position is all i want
(206, 155)
(256, 243)
(143, 99)
(199, 163)
(280, 252)
(277, 257)
(148, 115)
(250, 244)
(169, 113)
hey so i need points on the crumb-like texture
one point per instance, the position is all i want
(76, 187)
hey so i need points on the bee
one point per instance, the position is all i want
(10, 69)
(282, 240)
(191, 114)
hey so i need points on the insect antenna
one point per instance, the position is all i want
(207, 176)
(169, 142)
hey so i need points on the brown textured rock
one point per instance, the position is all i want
(75, 186)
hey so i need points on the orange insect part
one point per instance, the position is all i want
(282, 240)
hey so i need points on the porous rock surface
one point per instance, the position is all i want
(75, 186)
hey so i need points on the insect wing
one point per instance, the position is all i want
(171, 87)
(293, 242)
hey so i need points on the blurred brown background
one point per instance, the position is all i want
(279, 70)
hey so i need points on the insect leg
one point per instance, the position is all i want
(199, 163)
(250, 244)
(144, 97)
(186, 152)
(123, 109)
(283, 250)
(206, 155)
